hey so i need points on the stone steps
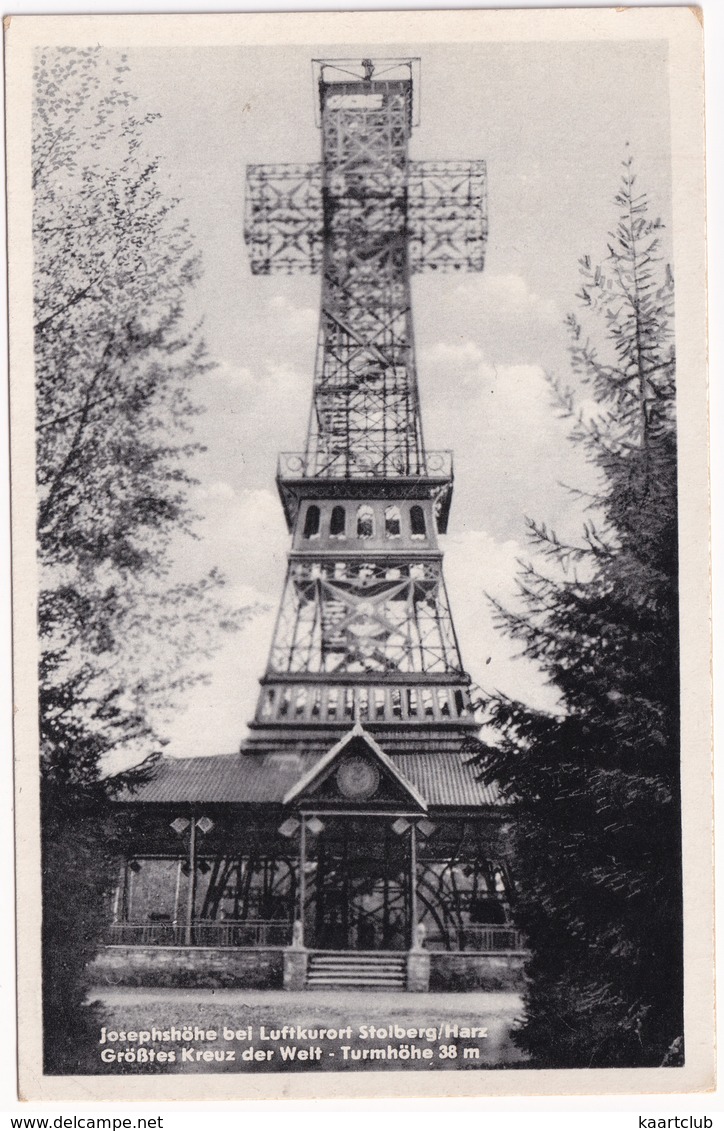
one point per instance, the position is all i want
(337, 969)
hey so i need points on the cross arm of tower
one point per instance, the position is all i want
(446, 217)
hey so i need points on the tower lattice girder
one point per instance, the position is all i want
(365, 617)
(364, 629)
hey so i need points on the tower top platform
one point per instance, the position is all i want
(300, 475)
(353, 72)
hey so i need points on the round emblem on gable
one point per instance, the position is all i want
(357, 779)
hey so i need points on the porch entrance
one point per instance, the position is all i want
(358, 888)
(367, 883)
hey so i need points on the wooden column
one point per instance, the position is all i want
(386, 891)
(345, 892)
(177, 892)
(128, 894)
(119, 895)
(413, 886)
(302, 873)
(192, 883)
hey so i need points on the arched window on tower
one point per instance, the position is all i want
(392, 522)
(365, 522)
(417, 522)
(311, 522)
(337, 523)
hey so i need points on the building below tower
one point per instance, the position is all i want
(356, 868)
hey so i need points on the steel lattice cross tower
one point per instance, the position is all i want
(364, 631)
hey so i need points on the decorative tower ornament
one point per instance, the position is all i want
(364, 632)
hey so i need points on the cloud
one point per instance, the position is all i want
(294, 319)
(465, 360)
(216, 490)
(241, 532)
(512, 449)
(237, 376)
(253, 411)
(216, 713)
(507, 295)
(270, 378)
(478, 566)
(464, 368)
(244, 535)
(508, 320)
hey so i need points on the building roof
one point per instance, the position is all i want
(360, 737)
(447, 779)
(441, 778)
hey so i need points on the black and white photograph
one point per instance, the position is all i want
(360, 546)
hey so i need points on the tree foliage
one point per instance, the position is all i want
(597, 784)
(117, 358)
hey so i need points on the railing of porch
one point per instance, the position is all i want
(203, 932)
(477, 938)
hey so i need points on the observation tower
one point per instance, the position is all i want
(365, 632)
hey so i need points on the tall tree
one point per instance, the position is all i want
(117, 357)
(596, 784)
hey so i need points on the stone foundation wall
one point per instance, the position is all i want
(456, 972)
(264, 968)
(206, 967)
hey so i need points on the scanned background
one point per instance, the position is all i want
(541, 280)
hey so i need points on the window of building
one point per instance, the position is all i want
(393, 527)
(417, 522)
(365, 522)
(311, 522)
(337, 522)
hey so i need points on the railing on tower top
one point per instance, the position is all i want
(302, 465)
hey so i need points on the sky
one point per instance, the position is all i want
(552, 121)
